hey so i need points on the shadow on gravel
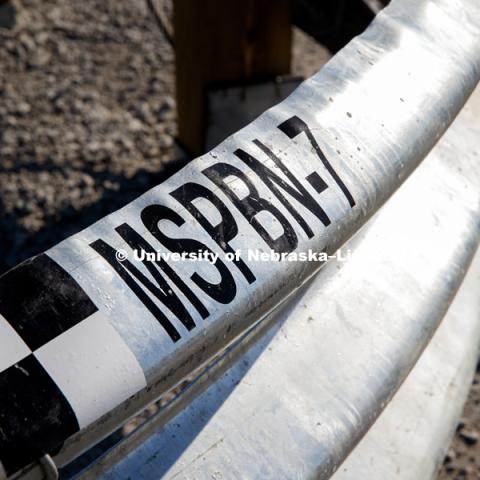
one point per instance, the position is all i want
(8, 14)
(17, 244)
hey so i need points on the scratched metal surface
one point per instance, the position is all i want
(305, 385)
(368, 118)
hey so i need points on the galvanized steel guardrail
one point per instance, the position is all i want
(90, 335)
(297, 393)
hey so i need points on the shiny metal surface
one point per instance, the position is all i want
(302, 389)
(410, 439)
(375, 110)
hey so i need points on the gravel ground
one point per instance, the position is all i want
(87, 117)
(87, 121)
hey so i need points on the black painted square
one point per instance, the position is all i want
(35, 417)
(41, 300)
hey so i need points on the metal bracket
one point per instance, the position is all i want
(48, 467)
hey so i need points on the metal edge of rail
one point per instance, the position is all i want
(296, 394)
(90, 336)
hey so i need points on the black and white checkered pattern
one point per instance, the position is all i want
(62, 364)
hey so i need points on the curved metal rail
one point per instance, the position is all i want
(90, 337)
(294, 397)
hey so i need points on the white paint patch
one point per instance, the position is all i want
(93, 367)
(12, 347)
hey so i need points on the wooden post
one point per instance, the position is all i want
(222, 42)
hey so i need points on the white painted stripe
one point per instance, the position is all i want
(12, 347)
(93, 367)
